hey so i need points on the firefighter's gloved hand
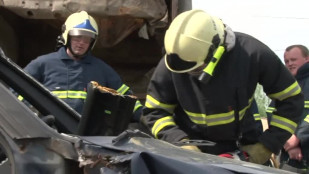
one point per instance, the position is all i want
(258, 153)
(189, 147)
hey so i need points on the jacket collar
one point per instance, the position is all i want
(62, 54)
(303, 71)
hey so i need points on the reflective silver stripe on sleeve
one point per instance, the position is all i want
(283, 123)
(153, 103)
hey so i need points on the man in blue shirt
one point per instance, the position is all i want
(67, 72)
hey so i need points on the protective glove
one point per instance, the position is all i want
(258, 153)
(193, 148)
(189, 147)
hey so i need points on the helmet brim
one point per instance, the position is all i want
(175, 64)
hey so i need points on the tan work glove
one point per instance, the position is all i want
(189, 147)
(258, 153)
(193, 148)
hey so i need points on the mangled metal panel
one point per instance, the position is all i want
(53, 9)
(116, 18)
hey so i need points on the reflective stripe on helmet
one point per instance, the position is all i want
(162, 123)
(283, 123)
(153, 103)
(70, 94)
(292, 90)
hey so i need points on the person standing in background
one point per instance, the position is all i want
(67, 72)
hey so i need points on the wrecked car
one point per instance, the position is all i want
(31, 144)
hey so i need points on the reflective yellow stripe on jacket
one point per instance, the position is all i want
(123, 89)
(257, 117)
(307, 104)
(153, 103)
(270, 110)
(307, 119)
(283, 123)
(197, 118)
(211, 120)
(292, 90)
(70, 94)
(138, 104)
(162, 123)
(216, 119)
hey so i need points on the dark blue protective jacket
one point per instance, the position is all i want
(180, 106)
(67, 78)
(302, 131)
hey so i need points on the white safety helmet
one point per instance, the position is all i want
(80, 23)
(191, 39)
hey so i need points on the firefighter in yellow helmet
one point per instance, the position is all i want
(67, 71)
(204, 86)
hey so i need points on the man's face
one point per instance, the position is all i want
(294, 59)
(80, 44)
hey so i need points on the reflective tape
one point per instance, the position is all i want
(211, 120)
(307, 104)
(138, 104)
(283, 123)
(70, 94)
(292, 90)
(162, 123)
(153, 103)
(257, 117)
(20, 97)
(123, 89)
(270, 110)
(307, 119)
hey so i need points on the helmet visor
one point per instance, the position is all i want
(79, 32)
(176, 64)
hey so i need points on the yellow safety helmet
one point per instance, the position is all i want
(191, 39)
(80, 23)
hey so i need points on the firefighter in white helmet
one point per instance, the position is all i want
(67, 71)
(204, 86)
(80, 26)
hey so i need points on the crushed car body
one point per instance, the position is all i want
(30, 145)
